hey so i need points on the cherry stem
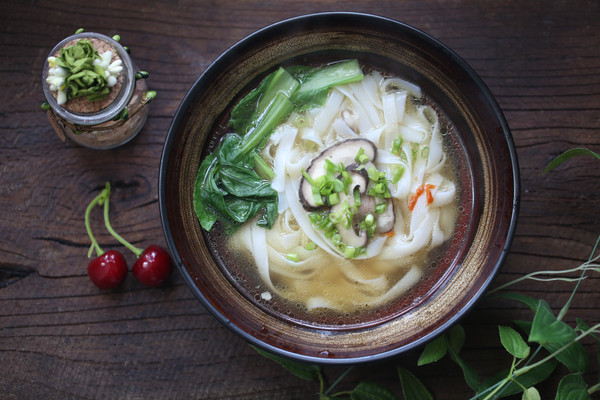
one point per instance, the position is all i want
(88, 228)
(135, 250)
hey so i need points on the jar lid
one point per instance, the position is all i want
(116, 106)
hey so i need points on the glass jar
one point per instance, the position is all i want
(100, 124)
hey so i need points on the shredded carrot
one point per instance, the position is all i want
(389, 234)
(425, 188)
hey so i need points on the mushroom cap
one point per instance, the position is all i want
(342, 152)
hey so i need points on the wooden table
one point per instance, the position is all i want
(62, 338)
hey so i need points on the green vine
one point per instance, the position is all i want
(537, 347)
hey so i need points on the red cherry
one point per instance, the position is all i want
(153, 266)
(108, 270)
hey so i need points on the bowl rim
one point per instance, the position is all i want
(228, 54)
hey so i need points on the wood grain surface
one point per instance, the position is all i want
(61, 338)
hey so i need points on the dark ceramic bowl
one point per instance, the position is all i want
(488, 173)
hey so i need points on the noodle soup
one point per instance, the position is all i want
(367, 197)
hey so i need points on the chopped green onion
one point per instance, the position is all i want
(338, 186)
(357, 198)
(425, 152)
(373, 173)
(361, 157)
(333, 199)
(397, 145)
(398, 174)
(310, 245)
(350, 251)
(308, 177)
(369, 220)
(380, 208)
(346, 180)
(292, 257)
(331, 169)
(317, 196)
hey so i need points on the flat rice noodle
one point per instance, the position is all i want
(399, 84)
(390, 113)
(259, 250)
(328, 112)
(400, 106)
(436, 151)
(444, 194)
(403, 246)
(342, 129)
(295, 163)
(366, 101)
(406, 283)
(280, 265)
(374, 135)
(364, 121)
(315, 303)
(286, 141)
(311, 138)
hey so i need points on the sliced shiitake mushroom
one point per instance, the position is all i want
(342, 152)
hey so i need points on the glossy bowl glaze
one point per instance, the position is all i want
(488, 171)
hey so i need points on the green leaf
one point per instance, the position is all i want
(574, 357)
(456, 338)
(205, 215)
(412, 388)
(371, 391)
(513, 342)
(583, 326)
(530, 302)
(531, 394)
(241, 181)
(528, 379)
(433, 351)
(578, 151)
(572, 387)
(314, 88)
(244, 111)
(547, 329)
(308, 372)
(471, 377)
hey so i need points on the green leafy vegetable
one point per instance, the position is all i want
(233, 182)
(315, 85)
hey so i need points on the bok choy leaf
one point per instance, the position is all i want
(233, 183)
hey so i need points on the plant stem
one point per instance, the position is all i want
(565, 308)
(525, 369)
(88, 228)
(124, 242)
(338, 380)
(262, 168)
